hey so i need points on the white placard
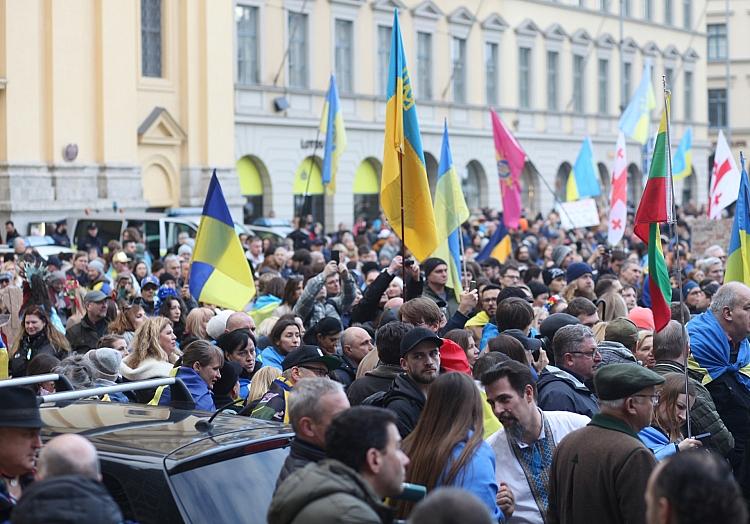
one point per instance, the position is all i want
(581, 213)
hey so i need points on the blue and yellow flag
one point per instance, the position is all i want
(635, 119)
(738, 254)
(450, 212)
(583, 180)
(682, 160)
(499, 247)
(404, 187)
(219, 273)
(332, 127)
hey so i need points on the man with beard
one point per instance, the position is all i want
(528, 436)
(420, 359)
(580, 279)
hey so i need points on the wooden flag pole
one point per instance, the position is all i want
(676, 260)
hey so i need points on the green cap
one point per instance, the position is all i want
(623, 331)
(617, 381)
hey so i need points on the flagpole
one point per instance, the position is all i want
(309, 174)
(403, 228)
(556, 198)
(673, 225)
(461, 261)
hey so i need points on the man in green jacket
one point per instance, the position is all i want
(599, 473)
(365, 464)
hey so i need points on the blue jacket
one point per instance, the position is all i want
(657, 442)
(477, 477)
(198, 388)
(270, 356)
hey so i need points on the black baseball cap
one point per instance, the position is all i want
(307, 354)
(416, 336)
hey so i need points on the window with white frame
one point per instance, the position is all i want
(424, 66)
(716, 41)
(579, 71)
(524, 77)
(687, 80)
(668, 14)
(491, 69)
(552, 80)
(687, 14)
(298, 49)
(151, 38)
(459, 69)
(384, 55)
(344, 43)
(648, 9)
(246, 20)
(603, 83)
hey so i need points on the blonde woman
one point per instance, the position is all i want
(644, 350)
(153, 353)
(196, 321)
(261, 382)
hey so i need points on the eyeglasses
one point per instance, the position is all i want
(589, 354)
(654, 398)
(319, 372)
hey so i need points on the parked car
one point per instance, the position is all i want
(44, 245)
(160, 230)
(164, 465)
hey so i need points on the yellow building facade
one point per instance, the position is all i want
(104, 104)
(554, 70)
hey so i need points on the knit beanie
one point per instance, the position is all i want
(106, 363)
(429, 265)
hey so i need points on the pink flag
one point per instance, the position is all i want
(510, 161)
(618, 210)
(725, 179)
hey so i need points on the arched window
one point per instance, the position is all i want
(635, 187)
(309, 197)
(366, 189)
(529, 193)
(561, 180)
(432, 166)
(604, 185)
(254, 184)
(473, 184)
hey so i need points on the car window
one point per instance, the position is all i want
(108, 229)
(235, 490)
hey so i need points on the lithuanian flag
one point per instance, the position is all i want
(657, 207)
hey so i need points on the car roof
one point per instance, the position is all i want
(155, 432)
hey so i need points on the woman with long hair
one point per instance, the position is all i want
(326, 334)
(644, 350)
(196, 321)
(446, 447)
(285, 338)
(173, 309)
(262, 381)
(128, 320)
(664, 435)
(37, 336)
(292, 292)
(239, 346)
(153, 353)
(465, 339)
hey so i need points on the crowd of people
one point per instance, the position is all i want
(538, 391)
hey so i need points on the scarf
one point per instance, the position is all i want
(710, 350)
(536, 460)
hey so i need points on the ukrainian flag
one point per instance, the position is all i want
(404, 178)
(583, 180)
(682, 162)
(332, 127)
(219, 273)
(738, 258)
(450, 212)
(499, 246)
(635, 119)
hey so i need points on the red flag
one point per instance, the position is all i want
(510, 161)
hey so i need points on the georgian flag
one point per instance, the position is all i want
(725, 179)
(618, 211)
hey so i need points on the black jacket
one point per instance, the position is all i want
(30, 347)
(85, 335)
(346, 373)
(407, 401)
(379, 379)
(301, 453)
(67, 499)
(369, 306)
(560, 390)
